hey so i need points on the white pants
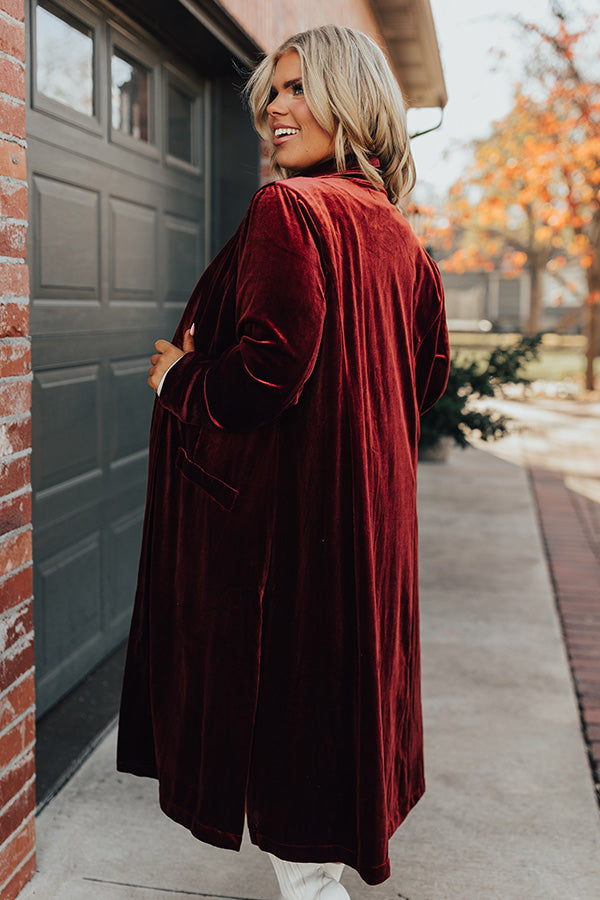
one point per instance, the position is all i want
(309, 881)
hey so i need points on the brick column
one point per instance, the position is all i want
(17, 720)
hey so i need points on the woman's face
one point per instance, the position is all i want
(299, 140)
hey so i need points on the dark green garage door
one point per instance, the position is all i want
(117, 170)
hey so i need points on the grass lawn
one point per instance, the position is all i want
(552, 365)
(558, 365)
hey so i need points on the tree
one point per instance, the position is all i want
(530, 198)
(560, 68)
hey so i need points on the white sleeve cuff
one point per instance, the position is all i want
(162, 380)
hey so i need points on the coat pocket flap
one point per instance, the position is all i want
(219, 490)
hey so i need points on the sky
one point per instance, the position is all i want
(470, 34)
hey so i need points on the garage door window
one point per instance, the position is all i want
(65, 58)
(130, 97)
(180, 117)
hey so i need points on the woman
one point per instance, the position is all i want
(273, 662)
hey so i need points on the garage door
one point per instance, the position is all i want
(118, 174)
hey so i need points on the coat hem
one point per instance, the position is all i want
(410, 804)
(142, 770)
(208, 834)
(321, 853)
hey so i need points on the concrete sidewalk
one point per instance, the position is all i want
(510, 811)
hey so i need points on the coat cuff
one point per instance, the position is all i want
(162, 380)
(183, 393)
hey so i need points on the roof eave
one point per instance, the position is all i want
(412, 45)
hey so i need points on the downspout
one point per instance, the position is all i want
(433, 128)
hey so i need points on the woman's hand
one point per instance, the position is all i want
(166, 355)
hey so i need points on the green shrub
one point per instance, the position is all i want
(469, 379)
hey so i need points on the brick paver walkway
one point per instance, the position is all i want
(570, 525)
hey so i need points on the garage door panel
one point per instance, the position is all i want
(184, 242)
(66, 628)
(68, 228)
(124, 538)
(84, 331)
(66, 428)
(57, 505)
(133, 252)
(131, 409)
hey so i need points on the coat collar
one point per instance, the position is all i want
(329, 167)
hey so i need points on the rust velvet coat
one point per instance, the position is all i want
(273, 662)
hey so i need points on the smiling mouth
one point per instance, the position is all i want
(281, 135)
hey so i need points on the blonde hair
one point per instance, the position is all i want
(353, 95)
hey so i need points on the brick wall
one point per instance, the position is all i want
(17, 722)
(270, 22)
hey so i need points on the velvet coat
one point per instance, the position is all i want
(273, 660)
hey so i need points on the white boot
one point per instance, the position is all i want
(309, 881)
(334, 870)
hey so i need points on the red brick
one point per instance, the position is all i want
(16, 702)
(580, 656)
(582, 639)
(578, 605)
(12, 160)
(12, 817)
(15, 398)
(15, 624)
(591, 713)
(13, 239)
(12, 39)
(15, 776)
(15, 513)
(18, 738)
(11, 743)
(581, 646)
(13, 888)
(589, 689)
(14, 476)
(15, 589)
(572, 556)
(12, 117)
(12, 77)
(15, 360)
(582, 623)
(14, 282)
(573, 574)
(15, 665)
(14, 320)
(15, 436)
(589, 669)
(13, 200)
(16, 850)
(15, 551)
(14, 8)
(588, 680)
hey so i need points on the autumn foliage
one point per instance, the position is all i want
(530, 198)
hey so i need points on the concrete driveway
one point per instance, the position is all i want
(510, 811)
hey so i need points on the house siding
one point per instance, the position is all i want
(270, 22)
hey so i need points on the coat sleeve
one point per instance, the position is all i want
(432, 359)
(280, 311)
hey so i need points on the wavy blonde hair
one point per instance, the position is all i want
(353, 95)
